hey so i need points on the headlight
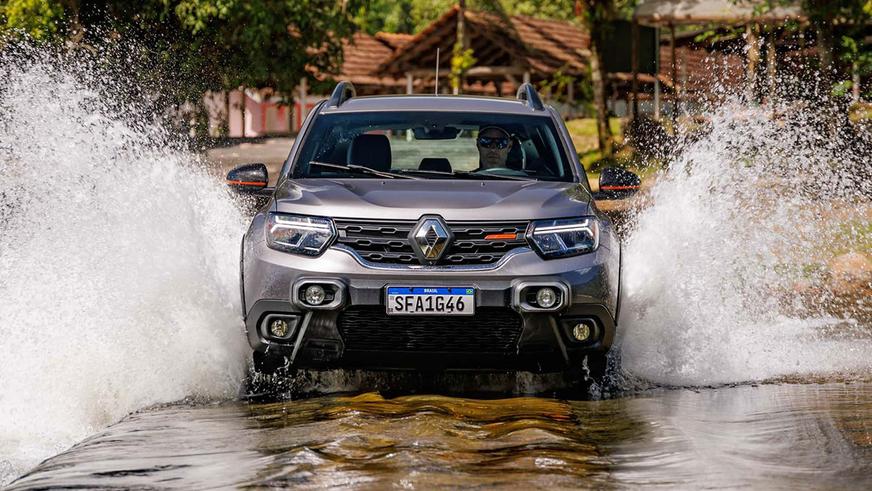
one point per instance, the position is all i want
(299, 234)
(566, 237)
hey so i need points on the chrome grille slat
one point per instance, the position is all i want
(386, 241)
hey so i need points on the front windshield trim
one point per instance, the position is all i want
(551, 160)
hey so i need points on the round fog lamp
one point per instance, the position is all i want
(581, 331)
(278, 328)
(546, 298)
(314, 295)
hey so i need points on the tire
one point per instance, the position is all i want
(268, 363)
(597, 363)
(587, 380)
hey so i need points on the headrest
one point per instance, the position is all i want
(516, 158)
(373, 151)
(435, 164)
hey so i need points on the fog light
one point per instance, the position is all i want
(546, 298)
(314, 295)
(279, 328)
(581, 332)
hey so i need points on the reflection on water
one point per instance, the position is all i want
(773, 436)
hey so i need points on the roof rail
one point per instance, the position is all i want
(343, 91)
(528, 94)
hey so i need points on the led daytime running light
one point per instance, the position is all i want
(579, 227)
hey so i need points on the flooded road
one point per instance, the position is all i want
(120, 288)
(767, 436)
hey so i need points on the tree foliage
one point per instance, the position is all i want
(39, 18)
(410, 16)
(202, 44)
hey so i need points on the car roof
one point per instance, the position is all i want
(422, 102)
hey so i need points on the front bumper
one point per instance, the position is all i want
(542, 341)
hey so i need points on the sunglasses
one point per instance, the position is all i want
(490, 142)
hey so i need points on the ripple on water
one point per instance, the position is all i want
(769, 436)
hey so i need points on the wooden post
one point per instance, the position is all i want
(244, 108)
(226, 124)
(462, 40)
(634, 63)
(303, 96)
(657, 74)
(771, 64)
(570, 98)
(675, 93)
(753, 62)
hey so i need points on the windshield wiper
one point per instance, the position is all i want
(479, 175)
(360, 169)
(433, 172)
(467, 174)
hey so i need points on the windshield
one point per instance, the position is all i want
(433, 145)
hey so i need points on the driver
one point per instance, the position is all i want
(494, 144)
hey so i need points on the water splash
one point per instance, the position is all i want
(741, 220)
(118, 262)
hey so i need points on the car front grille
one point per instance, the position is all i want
(388, 241)
(494, 330)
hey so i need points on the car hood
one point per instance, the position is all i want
(406, 199)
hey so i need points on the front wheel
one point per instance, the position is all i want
(269, 363)
(594, 367)
(587, 381)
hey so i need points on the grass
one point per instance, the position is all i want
(855, 235)
(861, 111)
(584, 137)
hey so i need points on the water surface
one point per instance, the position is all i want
(768, 436)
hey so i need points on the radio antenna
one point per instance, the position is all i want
(436, 91)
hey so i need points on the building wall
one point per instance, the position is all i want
(703, 74)
(247, 114)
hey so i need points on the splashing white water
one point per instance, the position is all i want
(118, 265)
(734, 223)
(118, 260)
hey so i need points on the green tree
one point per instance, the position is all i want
(38, 18)
(838, 28)
(410, 16)
(201, 44)
(385, 15)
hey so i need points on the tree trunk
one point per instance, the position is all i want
(461, 41)
(593, 15)
(753, 62)
(772, 65)
(822, 14)
(676, 90)
(825, 53)
(634, 62)
(598, 75)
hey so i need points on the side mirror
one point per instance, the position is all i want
(617, 183)
(248, 179)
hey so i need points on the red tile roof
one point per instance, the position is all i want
(539, 45)
(362, 54)
(394, 39)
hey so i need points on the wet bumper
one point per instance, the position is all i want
(506, 333)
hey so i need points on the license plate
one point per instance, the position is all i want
(430, 300)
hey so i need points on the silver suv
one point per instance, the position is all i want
(425, 232)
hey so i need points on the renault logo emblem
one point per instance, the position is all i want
(430, 238)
